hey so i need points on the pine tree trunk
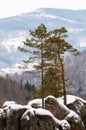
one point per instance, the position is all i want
(63, 79)
(42, 91)
(64, 86)
(42, 78)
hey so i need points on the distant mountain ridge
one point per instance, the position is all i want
(13, 30)
(67, 18)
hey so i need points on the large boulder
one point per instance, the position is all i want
(78, 105)
(40, 119)
(75, 121)
(10, 116)
(60, 111)
(2, 119)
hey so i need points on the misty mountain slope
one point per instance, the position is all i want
(14, 30)
(76, 72)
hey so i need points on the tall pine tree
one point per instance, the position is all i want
(48, 49)
(57, 47)
(36, 47)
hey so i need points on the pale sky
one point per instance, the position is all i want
(15, 7)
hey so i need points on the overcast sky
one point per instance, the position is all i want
(15, 7)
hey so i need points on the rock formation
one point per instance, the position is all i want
(55, 116)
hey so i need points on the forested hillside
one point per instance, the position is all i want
(15, 91)
(12, 88)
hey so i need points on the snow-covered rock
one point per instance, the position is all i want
(55, 116)
(57, 109)
(79, 106)
(40, 119)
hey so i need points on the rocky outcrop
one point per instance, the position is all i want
(55, 116)
(60, 111)
(79, 106)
